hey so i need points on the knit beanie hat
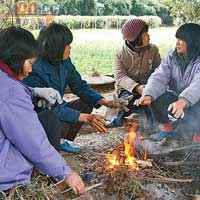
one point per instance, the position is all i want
(132, 28)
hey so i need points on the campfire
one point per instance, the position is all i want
(131, 153)
(129, 171)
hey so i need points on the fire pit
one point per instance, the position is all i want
(128, 171)
(117, 167)
(131, 153)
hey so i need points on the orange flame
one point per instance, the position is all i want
(129, 155)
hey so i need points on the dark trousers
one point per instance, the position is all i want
(160, 105)
(50, 123)
(133, 108)
(70, 130)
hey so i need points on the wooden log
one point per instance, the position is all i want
(178, 163)
(177, 149)
(166, 179)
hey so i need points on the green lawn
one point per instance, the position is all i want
(95, 48)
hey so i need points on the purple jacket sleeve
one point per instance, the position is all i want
(158, 81)
(23, 129)
(191, 93)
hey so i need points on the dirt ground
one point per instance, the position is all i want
(95, 146)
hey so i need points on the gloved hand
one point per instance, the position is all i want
(49, 94)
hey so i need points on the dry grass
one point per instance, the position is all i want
(38, 190)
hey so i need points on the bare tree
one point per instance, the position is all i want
(7, 11)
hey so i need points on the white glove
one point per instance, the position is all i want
(48, 94)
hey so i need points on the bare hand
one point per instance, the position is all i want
(139, 89)
(177, 108)
(110, 104)
(145, 100)
(75, 182)
(95, 121)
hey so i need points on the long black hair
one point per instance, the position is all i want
(52, 41)
(190, 33)
(17, 45)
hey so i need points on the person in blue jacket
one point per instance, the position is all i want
(23, 141)
(55, 69)
(173, 89)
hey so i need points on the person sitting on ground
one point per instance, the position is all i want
(133, 64)
(55, 69)
(173, 89)
(23, 141)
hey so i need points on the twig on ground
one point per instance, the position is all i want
(93, 186)
(86, 189)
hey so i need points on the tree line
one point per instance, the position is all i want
(170, 11)
(114, 7)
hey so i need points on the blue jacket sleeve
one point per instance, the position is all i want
(63, 112)
(23, 129)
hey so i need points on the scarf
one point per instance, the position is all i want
(137, 50)
(183, 61)
(5, 68)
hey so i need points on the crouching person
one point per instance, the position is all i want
(133, 64)
(23, 141)
(55, 69)
(180, 73)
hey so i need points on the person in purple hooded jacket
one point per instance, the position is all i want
(23, 141)
(173, 89)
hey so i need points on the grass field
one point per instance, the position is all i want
(95, 48)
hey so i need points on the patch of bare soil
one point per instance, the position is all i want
(174, 175)
(163, 182)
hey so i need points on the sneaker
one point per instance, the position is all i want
(69, 148)
(114, 123)
(162, 135)
(196, 138)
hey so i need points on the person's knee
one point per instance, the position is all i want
(52, 116)
(48, 115)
